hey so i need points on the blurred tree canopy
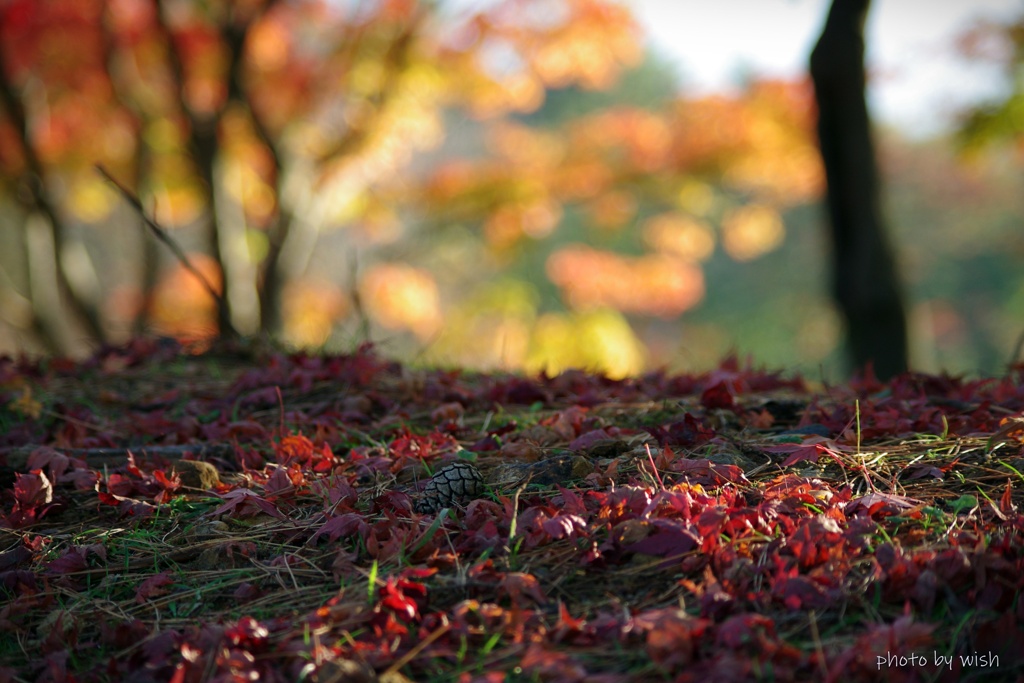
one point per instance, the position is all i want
(1000, 120)
(257, 131)
(511, 183)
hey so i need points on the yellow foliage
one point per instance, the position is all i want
(163, 135)
(599, 340)
(696, 198)
(752, 231)
(818, 335)
(181, 307)
(268, 44)
(489, 329)
(510, 223)
(649, 285)
(611, 210)
(310, 310)
(679, 235)
(26, 405)
(401, 297)
(90, 198)
(526, 147)
(246, 187)
(177, 206)
(596, 41)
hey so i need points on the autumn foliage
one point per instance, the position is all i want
(288, 146)
(686, 527)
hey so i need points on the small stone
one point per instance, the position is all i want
(196, 474)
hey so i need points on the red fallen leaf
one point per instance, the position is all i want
(628, 499)
(712, 473)
(14, 557)
(541, 663)
(395, 599)
(122, 634)
(55, 669)
(240, 663)
(586, 440)
(744, 629)
(800, 593)
(924, 591)
(672, 635)
(525, 451)
(876, 500)
(33, 493)
(242, 503)
(246, 592)
(56, 462)
(264, 398)
(247, 633)
(120, 486)
(564, 526)
(153, 587)
(1011, 430)
(167, 484)
(32, 490)
(902, 637)
(809, 449)
(348, 524)
(1001, 637)
(132, 468)
(572, 502)
(69, 563)
(223, 430)
(687, 432)
(759, 419)
(567, 423)
(337, 491)
(718, 396)
(447, 412)
(1006, 504)
(486, 444)
(135, 508)
(670, 538)
(417, 447)
(284, 481)
(812, 541)
(953, 566)
(518, 390)
(518, 585)
(63, 633)
(294, 448)
(566, 621)
(81, 480)
(922, 471)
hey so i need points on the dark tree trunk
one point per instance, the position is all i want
(36, 198)
(865, 282)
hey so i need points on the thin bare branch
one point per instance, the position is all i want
(162, 235)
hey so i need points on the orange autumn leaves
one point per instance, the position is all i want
(722, 169)
(655, 285)
(336, 106)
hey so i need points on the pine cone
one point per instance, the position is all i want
(458, 482)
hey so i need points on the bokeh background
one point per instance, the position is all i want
(499, 184)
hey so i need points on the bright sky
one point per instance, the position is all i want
(917, 80)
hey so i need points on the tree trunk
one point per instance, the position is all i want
(37, 200)
(865, 283)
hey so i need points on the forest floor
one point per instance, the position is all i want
(253, 515)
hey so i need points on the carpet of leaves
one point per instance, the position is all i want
(727, 526)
